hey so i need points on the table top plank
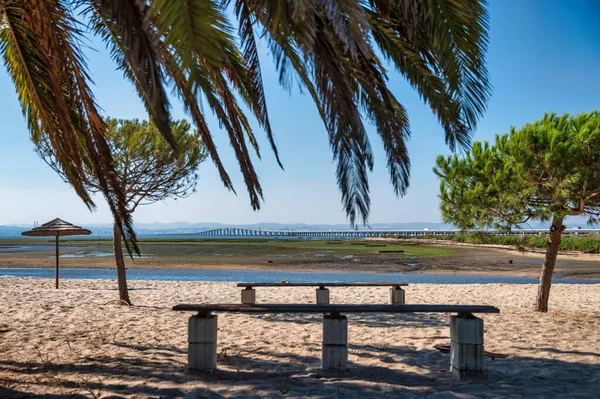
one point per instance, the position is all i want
(334, 308)
(317, 284)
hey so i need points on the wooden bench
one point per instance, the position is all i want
(397, 295)
(466, 331)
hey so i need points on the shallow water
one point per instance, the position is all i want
(29, 248)
(85, 254)
(275, 276)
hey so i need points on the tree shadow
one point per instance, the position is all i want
(165, 350)
(367, 319)
(374, 371)
(16, 394)
(558, 351)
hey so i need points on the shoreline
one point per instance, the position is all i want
(584, 277)
(410, 256)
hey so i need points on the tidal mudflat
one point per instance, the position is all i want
(392, 256)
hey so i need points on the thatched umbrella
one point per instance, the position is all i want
(57, 228)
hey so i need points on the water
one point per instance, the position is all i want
(270, 276)
(97, 254)
(29, 248)
(85, 254)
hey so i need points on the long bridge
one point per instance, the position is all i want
(246, 232)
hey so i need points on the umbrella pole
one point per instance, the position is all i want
(56, 262)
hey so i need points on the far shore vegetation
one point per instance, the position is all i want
(587, 243)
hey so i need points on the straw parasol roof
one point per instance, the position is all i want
(57, 228)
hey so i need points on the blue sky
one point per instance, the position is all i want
(544, 55)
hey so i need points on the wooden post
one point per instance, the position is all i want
(466, 347)
(248, 296)
(335, 342)
(396, 296)
(57, 255)
(322, 296)
(202, 343)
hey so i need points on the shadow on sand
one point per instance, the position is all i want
(367, 320)
(159, 371)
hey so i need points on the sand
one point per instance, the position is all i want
(79, 341)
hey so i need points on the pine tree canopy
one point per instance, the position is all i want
(549, 168)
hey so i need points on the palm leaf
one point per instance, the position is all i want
(123, 26)
(329, 48)
(51, 79)
(450, 38)
(255, 87)
(438, 46)
(202, 55)
(191, 103)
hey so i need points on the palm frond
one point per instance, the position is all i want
(255, 85)
(28, 66)
(198, 42)
(413, 62)
(191, 103)
(308, 30)
(329, 48)
(50, 75)
(438, 46)
(223, 103)
(123, 25)
(450, 39)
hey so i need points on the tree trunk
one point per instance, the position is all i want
(121, 277)
(543, 295)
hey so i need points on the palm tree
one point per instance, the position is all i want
(336, 50)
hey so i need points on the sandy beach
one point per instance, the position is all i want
(79, 341)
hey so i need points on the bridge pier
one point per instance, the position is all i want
(248, 232)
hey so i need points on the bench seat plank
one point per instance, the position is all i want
(312, 308)
(350, 284)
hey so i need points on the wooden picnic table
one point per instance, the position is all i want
(466, 331)
(396, 296)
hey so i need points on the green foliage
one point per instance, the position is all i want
(337, 51)
(545, 169)
(148, 167)
(584, 243)
(40, 44)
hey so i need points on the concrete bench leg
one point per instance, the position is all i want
(249, 296)
(396, 296)
(335, 342)
(322, 296)
(466, 347)
(202, 343)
